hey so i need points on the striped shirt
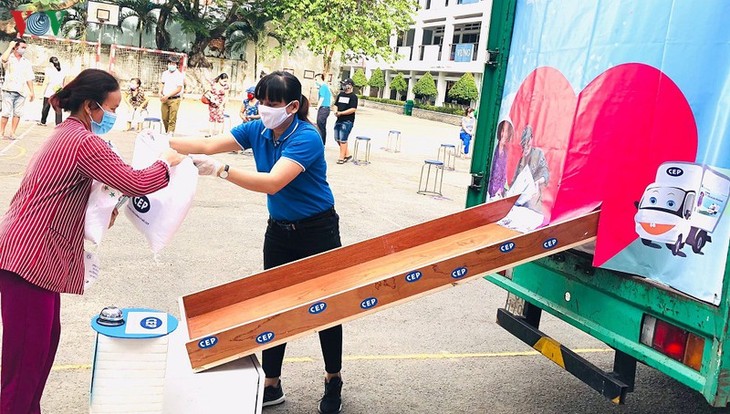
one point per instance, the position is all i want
(42, 234)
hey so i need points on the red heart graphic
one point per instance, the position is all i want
(604, 146)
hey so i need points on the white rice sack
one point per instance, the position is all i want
(102, 200)
(159, 215)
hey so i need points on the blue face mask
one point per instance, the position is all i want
(106, 124)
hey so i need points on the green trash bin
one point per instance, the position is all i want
(408, 108)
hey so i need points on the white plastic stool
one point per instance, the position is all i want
(356, 157)
(393, 141)
(438, 178)
(447, 154)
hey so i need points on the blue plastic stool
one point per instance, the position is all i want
(364, 161)
(438, 178)
(152, 120)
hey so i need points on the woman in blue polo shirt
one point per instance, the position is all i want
(292, 171)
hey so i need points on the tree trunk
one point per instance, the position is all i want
(141, 30)
(197, 53)
(327, 67)
(255, 63)
(162, 37)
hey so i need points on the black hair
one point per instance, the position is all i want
(138, 81)
(468, 111)
(319, 75)
(173, 59)
(284, 87)
(90, 84)
(56, 64)
(18, 41)
(221, 76)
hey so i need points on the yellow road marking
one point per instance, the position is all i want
(21, 152)
(444, 355)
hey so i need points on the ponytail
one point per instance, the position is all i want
(303, 112)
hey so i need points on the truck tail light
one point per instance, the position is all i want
(673, 341)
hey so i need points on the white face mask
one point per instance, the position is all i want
(273, 117)
(172, 68)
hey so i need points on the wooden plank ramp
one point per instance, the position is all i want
(263, 310)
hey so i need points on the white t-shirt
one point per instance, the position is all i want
(170, 82)
(17, 74)
(54, 81)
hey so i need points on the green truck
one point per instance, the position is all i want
(641, 319)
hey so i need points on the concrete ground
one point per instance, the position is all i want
(439, 354)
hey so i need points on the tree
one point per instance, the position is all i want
(359, 79)
(254, 27)
(142, 10)
(360, 28)
(73, 23)
(377, 80)
(464, 90)
(399, 84)
(209, 20)
(425, 88)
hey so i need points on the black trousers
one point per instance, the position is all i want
(287, 242)
(44, 112)
(322, 114)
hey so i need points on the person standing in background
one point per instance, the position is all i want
(55, 79)
(217, 98)
(171, 87)
(18, 75)
(323, 105)
(346, 108)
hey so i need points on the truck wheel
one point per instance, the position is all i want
(646, 242)
(700, 242)
(677, 247)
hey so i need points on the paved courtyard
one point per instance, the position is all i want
(439, 354)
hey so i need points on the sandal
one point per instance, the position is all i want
(348, 158)
(340, 161)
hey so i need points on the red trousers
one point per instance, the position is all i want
(31, 329)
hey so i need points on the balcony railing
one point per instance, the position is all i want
(429, 53)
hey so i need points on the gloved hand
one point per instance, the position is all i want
(206, 165)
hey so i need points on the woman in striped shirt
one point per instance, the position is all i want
(41, 235)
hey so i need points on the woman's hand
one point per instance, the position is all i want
(206, 165)
(172, 157)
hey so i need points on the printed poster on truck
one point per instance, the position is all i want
(592, 117)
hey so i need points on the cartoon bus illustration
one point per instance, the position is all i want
(682, 206)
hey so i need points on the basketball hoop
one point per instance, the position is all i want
(102, 13)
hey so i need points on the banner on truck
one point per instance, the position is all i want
(605, 103)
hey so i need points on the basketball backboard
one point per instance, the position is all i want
(103, 13)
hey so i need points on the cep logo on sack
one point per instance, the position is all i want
(150, 322)
(208, 342)
(369, 303)
(459, 272)
(265, 337)
(141, 204)
(674, 171)
(318, 307)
